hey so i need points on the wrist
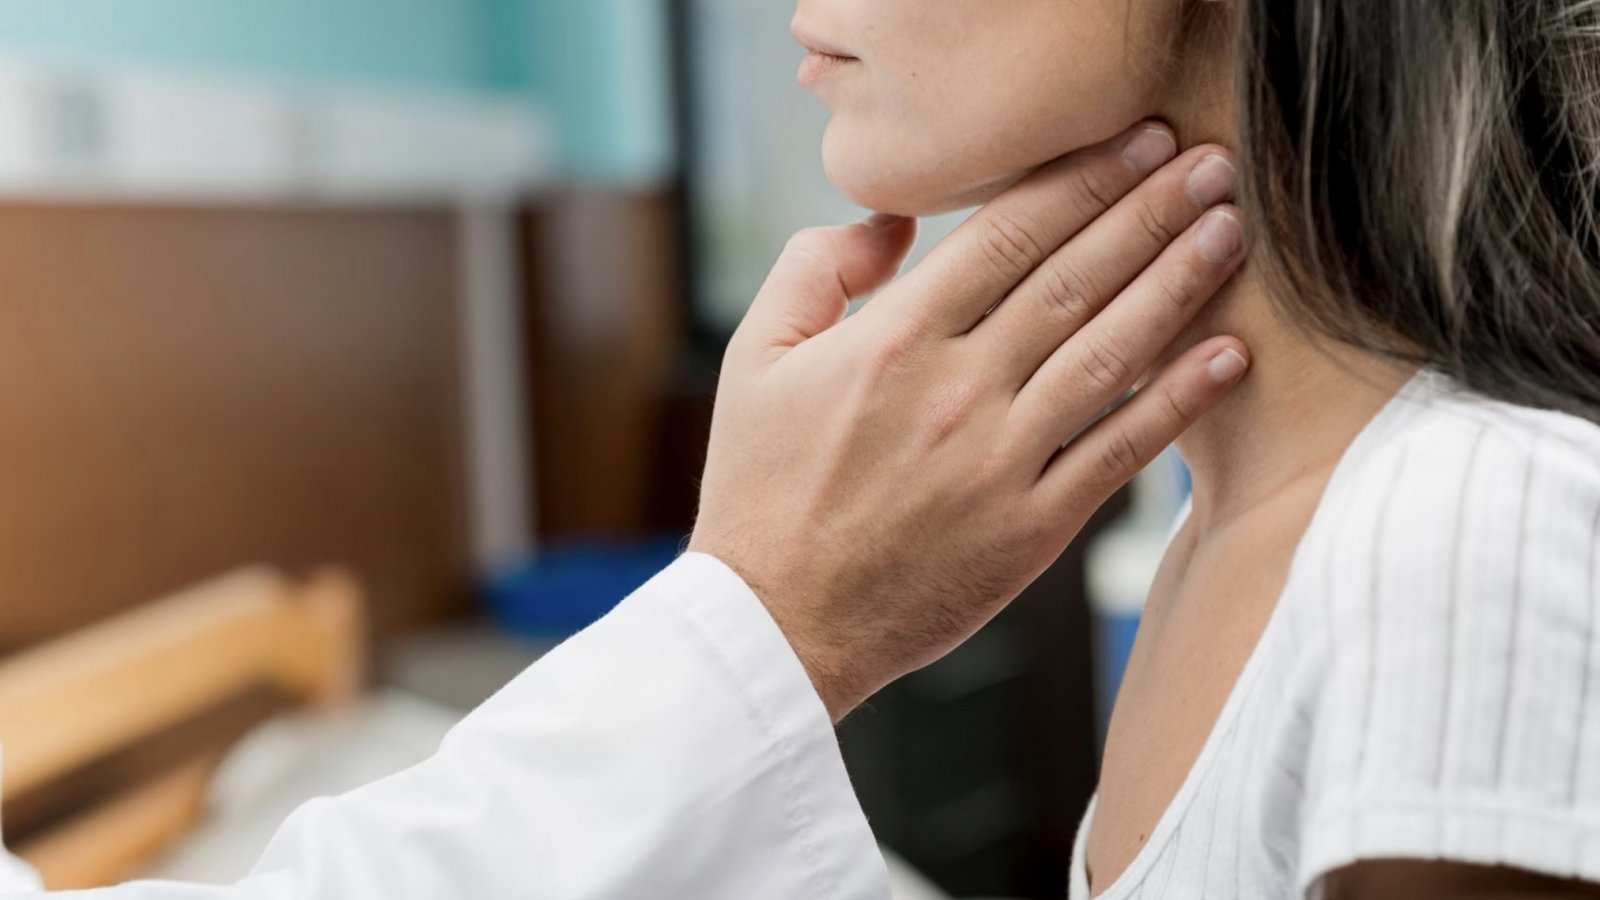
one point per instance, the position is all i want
(828, 665)
(837, 684)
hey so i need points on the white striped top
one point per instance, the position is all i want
(1428, 685)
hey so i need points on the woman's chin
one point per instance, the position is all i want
(897, 184)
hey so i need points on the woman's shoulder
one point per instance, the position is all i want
(1447, 458)
(1435, 416)
(1457, 575)
(1459, 501)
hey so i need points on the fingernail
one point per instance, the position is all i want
(881, 220)
(1227, 366)
(1212, 181)
(1220, 236)
(1150, 149)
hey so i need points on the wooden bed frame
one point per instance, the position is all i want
(146, 704)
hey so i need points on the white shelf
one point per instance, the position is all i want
(70, 132)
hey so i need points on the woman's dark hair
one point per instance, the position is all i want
(1428, 171)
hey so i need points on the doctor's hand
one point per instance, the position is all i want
(886, 483)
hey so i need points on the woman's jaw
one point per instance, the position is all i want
(872, 162)
(904, 187)
(939, 105)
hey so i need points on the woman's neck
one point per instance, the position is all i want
(1302, 404)
(1305, 398)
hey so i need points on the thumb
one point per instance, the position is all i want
(821, 271)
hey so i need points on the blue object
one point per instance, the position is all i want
(570, 586)
(1113, 645)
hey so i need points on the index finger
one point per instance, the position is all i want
(999, 245)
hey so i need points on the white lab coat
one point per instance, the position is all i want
(676, 749)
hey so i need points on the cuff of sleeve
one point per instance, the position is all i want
(1561, 843)
(741, 635)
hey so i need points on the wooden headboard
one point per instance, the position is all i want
(185, 390)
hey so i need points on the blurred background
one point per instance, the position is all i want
(404, 316)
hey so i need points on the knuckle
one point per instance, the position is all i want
(894, 350)
(1001, 463)
(950, 410)
(1011, 245)
(1120, 455)
(1092, 192)
(1153, 225)
(1035, 527)
(1069, 290)
(1179, 407)
(813, 244)
(1105, 366)
(803, 240)
(1177, 292)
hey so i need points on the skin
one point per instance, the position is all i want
(886, 483)
(930, 118)
(919, 486)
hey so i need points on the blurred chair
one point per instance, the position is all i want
(111, 734)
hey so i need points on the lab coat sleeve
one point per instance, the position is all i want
(675, 749)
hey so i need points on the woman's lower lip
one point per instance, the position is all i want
(817, 66)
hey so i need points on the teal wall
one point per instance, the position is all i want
(434, 43)
(599, 66)
(602, 65)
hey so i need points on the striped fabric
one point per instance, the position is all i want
(1429, 683)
